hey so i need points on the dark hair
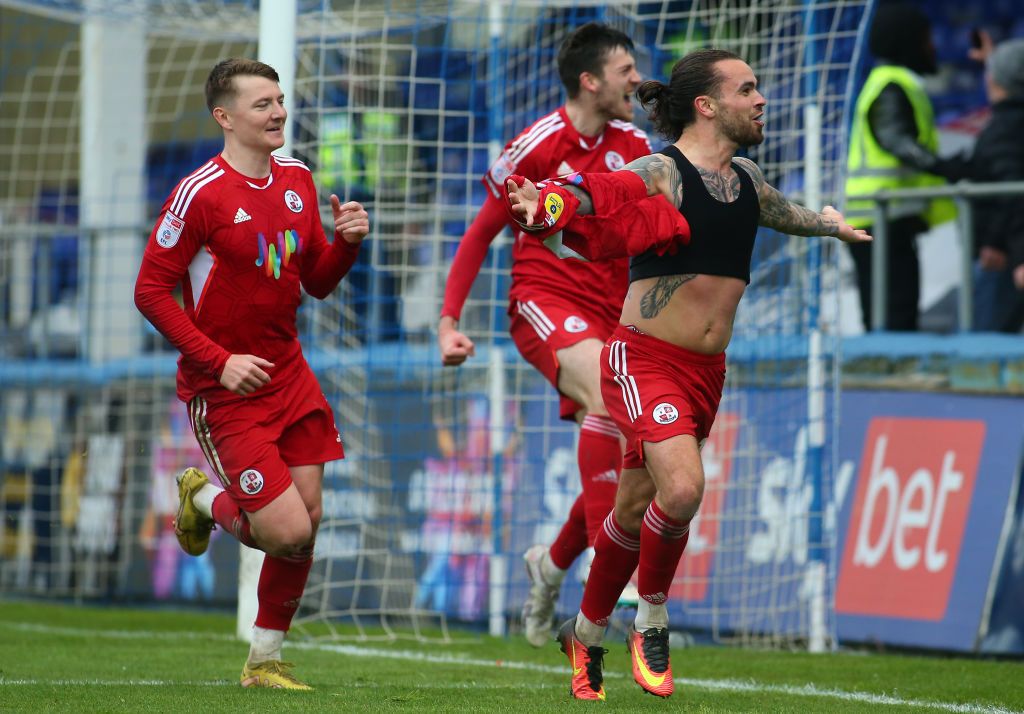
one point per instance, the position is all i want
(585, 50)
(670, 106)
(220, 85)
(901, 33)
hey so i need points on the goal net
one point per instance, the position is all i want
(450, 473)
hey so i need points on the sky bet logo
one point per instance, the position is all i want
(908, 517)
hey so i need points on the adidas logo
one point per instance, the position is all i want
(241, 216)
(563, 169)
(609, 476)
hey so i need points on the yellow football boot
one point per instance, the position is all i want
(273, 674)
(190, 526)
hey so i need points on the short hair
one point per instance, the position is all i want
(670, 106)
(585, 50)
(220, 85)
(1006, 65)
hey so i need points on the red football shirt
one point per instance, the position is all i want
(240, 247)
(551, 146)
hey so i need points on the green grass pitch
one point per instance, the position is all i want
(58, 658)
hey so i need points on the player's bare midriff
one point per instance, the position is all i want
(696, 314)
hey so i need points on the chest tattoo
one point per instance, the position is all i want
(723, 186)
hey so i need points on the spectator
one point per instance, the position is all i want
(998, 224)
(893, 144)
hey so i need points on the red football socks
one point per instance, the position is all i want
(232, 519)
(662, 541)
(282, 581)
(572, 539)
(600, 461)
(616, 554)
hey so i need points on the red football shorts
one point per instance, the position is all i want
(251, 442)
(654, 390)
(543, 324)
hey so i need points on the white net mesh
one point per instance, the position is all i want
(450, 474)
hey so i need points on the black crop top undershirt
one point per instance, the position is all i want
(721, 234)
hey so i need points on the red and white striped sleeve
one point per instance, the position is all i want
(524, 155)
(178, 236)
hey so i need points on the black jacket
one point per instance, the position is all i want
(998, 156)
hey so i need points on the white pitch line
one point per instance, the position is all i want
(4, 682)
(225, 683)
(721, 685)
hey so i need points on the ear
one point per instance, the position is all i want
(221, 116)
(705, 105)
(590, 82)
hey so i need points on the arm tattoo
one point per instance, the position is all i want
(783, 215)
(654, 169)
(586, 206)
(655, 299)
(659, 173)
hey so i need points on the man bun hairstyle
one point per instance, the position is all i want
(586, 50)
(670, 106)
(220, 85)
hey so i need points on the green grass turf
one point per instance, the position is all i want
(59, 658)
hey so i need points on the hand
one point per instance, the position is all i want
(455, 346)
(523, 202)
(990, 258)
(982, 53)
(1018, 277)
(243, 374)
(351, 221)
(847, 233)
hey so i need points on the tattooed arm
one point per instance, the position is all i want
(659, 174)
(783, 215)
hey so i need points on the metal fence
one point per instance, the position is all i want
(963, 193)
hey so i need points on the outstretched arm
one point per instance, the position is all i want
(783, 215)
(658, 173)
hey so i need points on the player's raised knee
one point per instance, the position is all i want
(681, 498)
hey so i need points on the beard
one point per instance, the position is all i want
(615, 107)
(742, 131)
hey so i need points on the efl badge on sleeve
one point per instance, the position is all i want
(502, 169)
(169, 232)
(552, 209)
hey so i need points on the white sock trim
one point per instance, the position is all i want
(203, 499)
(589, 633)
(648, 616)
(551, 573)
(266, 645)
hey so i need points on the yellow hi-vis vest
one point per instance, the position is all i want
(871, 168)
(369, 157)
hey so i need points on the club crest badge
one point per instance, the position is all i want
(665, 413)
(574, 324)
(293, 201)
(251, 481)
(614, 161)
